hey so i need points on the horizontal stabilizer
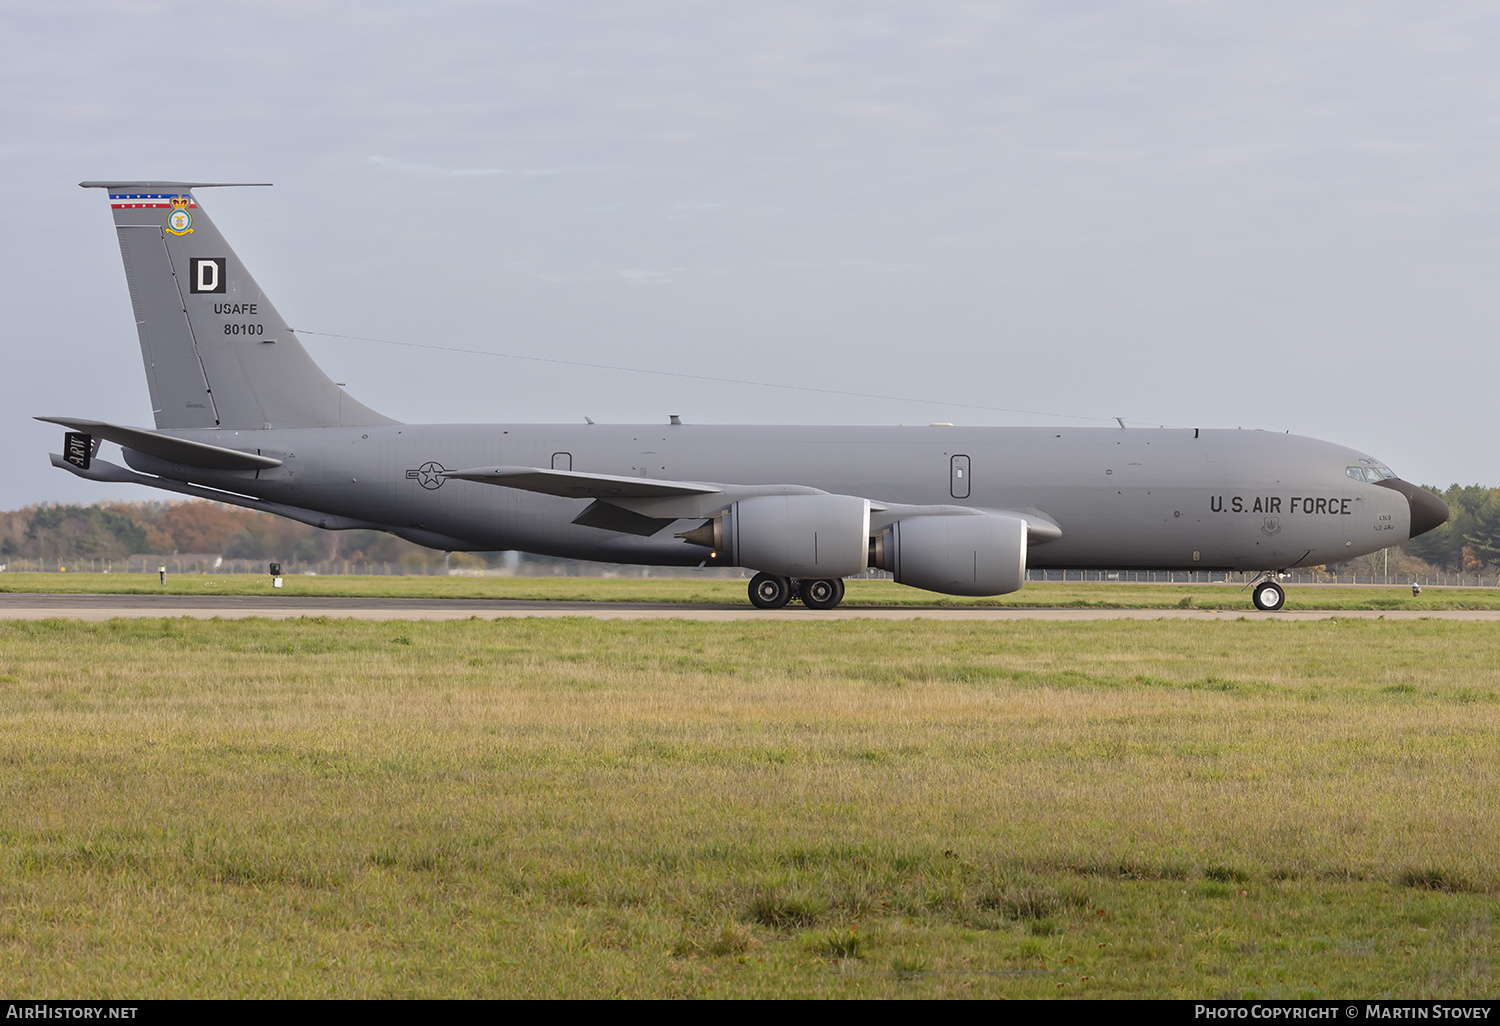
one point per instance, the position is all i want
(574, 485)
(168, 447)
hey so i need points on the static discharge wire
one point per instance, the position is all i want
(705, 377)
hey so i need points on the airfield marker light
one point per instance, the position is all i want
(163, 571)
(275, 569)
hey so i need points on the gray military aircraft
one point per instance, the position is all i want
(244, 416)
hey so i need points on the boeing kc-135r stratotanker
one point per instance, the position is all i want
(244, 416)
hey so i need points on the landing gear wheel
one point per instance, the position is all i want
(822, 593)
(1268, 596)
(767, 591)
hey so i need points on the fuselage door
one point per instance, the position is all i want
(562, 461)
(958, 477)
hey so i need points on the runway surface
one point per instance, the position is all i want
(20, 606)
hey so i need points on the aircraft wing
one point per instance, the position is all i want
(573, 485)
(648, 496)
(645, 506)
(169, 447)
(632, 505)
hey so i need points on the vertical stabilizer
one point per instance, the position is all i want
(217, 353)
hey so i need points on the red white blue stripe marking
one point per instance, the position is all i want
(147, 200)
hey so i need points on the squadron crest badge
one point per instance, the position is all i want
(1271, 526)
(180, 220)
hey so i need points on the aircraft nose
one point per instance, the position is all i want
(1427, 510)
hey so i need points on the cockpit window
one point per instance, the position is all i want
(1372, 472)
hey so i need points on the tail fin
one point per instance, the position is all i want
(217, 353)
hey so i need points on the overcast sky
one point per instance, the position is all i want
(1270, 215)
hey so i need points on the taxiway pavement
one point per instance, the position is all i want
(24, 606)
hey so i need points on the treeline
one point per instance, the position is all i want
(1470, 541)
(116, 531)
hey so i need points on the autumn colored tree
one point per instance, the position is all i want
(199, 526)
(157, 541)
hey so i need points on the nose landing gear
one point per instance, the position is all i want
(1268, 596)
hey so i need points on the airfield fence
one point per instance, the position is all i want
(197, 563)
(540, 567)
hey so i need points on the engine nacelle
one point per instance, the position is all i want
(802, 536)
(956, 554)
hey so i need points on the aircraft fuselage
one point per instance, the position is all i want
(1137, 499)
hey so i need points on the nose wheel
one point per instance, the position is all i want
(1268, 596)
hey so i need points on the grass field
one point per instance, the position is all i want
(570, 807)
(1108, 595)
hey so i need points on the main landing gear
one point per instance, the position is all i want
(823, 593)
(768, 591)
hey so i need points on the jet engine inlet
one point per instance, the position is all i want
(982, 554)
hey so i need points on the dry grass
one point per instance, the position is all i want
(559, 807)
